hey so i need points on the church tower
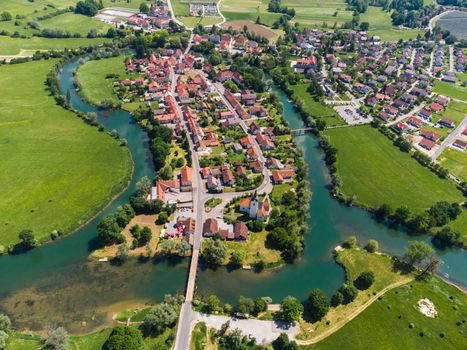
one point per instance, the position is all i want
(254, 206)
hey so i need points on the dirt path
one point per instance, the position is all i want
(357, 312)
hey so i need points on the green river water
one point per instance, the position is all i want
(55, 284)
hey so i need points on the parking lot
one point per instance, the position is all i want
(352, 115)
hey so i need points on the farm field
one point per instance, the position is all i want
(455, 161)
(57, 172)
(75, 24)
(316, 108)
(386, 324)
(92, 79)
(268, 33)
(380, 25)
(248, 10)
(13, 46)
(451, 90)
(377, 172)
(316, 13)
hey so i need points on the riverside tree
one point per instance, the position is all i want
(318, 305)
(214, 253)
(57, 339)
(417, 252)
(291, 309)
(124, 338)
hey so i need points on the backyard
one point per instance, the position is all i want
(377, 172)
(48, 158)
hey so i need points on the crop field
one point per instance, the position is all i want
(258, 29)
(317, 13)
(377, 172)
(75, 24)
(316, 108)
(57, 172)
(13, 46)
(395, 319)
(92, 78)
(380, 25)
(248, 10)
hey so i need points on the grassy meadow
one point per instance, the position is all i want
(455, 161)
(75, 23)
(380, 24)
(316, 108)
(57, 172)
(13, 46)
(377, 172)
(316, 12)
(386, 324)
(248, 10)
(452, 90)
(93, 82)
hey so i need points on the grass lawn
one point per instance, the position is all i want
(451, 90)
(254, 249)
(135, 315)
(93, 82)
(455, 111)
(57, 172)
(381, 25)
(455, 161)
(13, 46)
(355, 261)
(19, 341)
(376, 172)
(316, 108)
(385, 324)
(90, 341)
(460, 224)
(75, 23)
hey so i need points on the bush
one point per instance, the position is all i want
(372, 246)
(365, 280)
(124, 338)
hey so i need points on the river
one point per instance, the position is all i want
(56, 284)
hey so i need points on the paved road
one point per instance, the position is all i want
(451, 138)
(451, 58)
(263, 331)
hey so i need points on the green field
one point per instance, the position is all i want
(386, 323)
(455, 111)
(455, 161)
(377, 172)
(13, 46)
(92, 78)
(381, 25)
(316, 108)
(57, 172)
(249, 10)
(75, 24)
(451, 90)
(316, 12)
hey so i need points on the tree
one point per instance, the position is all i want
(108, 230)
(449, 237)
(123, 251)
(350, 242)
(124, 338)
(124, 215)
(166, 172)
(144, 8)
(364, 280)
(214, 253)
(27, 239)
(372, 246)
(68, 97)
(349, 293)
(401, 215)
(382, 213)
(245, 306)
(260, 306)
(57, 339)
(159, 318)
(145, 236)
(364, 26)
(420, 223)
(417, 251)
(283, 343)
(318, 305)
(3, 339)
(6, 16)
(213, 302)
(291, 309)
(143, 186)
(337, 299)
(237, 258)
